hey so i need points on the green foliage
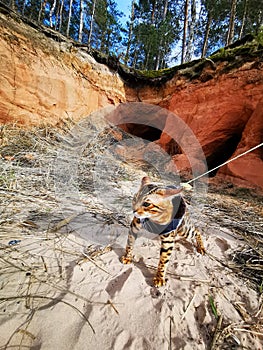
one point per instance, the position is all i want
(259, 36)
(156, 31)
(152, 38)
(249, 46)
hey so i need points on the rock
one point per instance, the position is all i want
(45, 82)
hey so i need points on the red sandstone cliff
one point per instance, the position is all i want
(224, 109)
(44, 81)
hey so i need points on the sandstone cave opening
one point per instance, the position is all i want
(222, 153)
(152, 134)
(144, 131)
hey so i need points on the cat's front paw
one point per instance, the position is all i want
(159, 281)
(199, 245)
(201, 249)
(126, 259)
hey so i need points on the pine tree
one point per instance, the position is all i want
(191, 30)
(92, 21)
(186, 4)
(69, 17)
(155, 27)
(81, 20)
(244, 17)
(51, 12)
(204, 26)
(155, 30)
(231, 28)
(131, 24)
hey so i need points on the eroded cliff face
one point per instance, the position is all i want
(224, 109)
(47, 81)
(43, 81)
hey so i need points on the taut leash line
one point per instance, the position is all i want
(228, 161)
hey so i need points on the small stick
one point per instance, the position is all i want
(91, 260)
(64, 222)
(44, 263)
(217, 333)
(114, 308)
(259, 309)
(170, 332)
(248, 331)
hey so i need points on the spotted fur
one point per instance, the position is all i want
(161, 210)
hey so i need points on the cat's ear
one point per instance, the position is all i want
(169, 192)
(146, 181)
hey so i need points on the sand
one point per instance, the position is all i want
(53, 297)
(62, 285)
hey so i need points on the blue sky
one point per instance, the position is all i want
(125, 7)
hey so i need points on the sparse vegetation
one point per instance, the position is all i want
(38, 228)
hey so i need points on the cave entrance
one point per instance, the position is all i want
(144, 131)
(151, 134)
(222, 153)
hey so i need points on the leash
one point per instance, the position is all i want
(228, 161)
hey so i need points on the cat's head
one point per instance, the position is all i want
(155, 201)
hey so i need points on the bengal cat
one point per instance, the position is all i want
(160, 210)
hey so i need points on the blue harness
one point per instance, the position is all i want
(152, 227)
(179, 211)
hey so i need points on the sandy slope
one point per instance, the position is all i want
(119, 302)
(60, 289)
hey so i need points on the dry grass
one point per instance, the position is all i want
(44, 248)
(240, 210)
(36, 246)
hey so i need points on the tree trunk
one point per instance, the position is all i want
(13, 5)
(92, 21)
(165, 9)
(69, 17)
(57, 15)
(23, 8)
(60, 15)
(51, 13)
(81, 16)
(158, 59)
(135, 57)
(42, 6)
(185, 30)
(243, 20)
(130, 34)
(192, 25)
(231, 28)
(161, 51)
(207, 31)
(153, 12)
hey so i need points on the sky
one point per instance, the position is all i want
(125, 7)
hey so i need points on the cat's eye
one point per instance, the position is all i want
(146, 204)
